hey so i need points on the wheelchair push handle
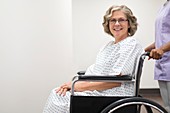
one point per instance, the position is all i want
(146, 54)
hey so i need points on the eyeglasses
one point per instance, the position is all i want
(120, 20)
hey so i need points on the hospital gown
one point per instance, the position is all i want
(112, 59)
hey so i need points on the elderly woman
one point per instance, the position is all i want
(118, 57)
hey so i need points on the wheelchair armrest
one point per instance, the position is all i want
(110, 77)
(115, 77)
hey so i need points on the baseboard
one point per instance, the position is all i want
(152, 91)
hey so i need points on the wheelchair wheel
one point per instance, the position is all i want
(150, 106)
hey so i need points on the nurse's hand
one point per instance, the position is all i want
(156, 54)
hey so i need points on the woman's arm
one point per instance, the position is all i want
(83, 86)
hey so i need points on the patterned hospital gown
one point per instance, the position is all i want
(112, 59)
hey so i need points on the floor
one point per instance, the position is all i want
(151, 94)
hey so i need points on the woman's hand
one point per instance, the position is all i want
(64, 88)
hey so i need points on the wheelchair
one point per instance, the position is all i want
(114, 104)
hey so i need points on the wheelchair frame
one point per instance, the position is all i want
(128, 104)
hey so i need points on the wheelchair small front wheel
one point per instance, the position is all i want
(135, 101)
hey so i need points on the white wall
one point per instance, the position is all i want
(35, 52)
(39, 50)
(88, 34)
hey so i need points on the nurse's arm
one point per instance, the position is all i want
(165, 47)
(158, 52)
(150, 47)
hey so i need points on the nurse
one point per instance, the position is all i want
(160, 50)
